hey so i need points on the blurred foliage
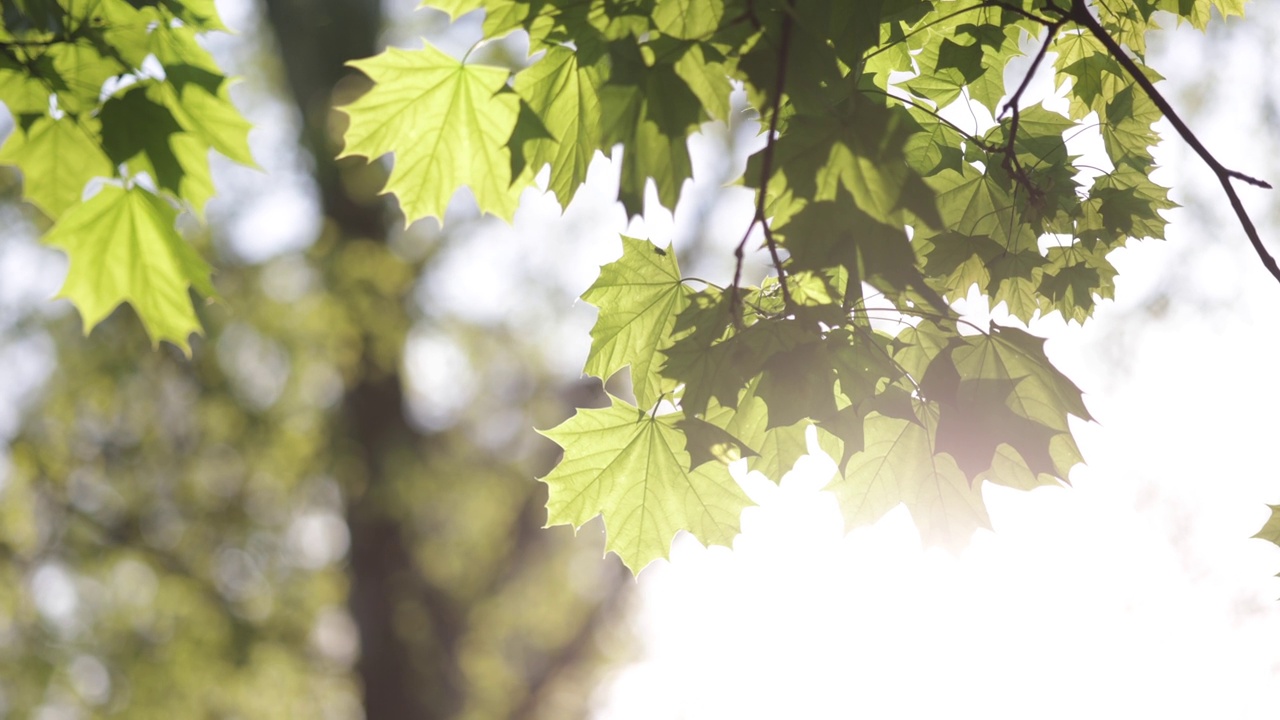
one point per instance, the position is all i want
(175, 531)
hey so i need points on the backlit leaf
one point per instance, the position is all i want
(633, 468)
(447, 124)
(123, 248)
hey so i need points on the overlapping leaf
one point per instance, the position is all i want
(124, 248)
(639, 297)
(58, 158)
(72, 73)
(634, 469)
(447, 124)
(881, 208)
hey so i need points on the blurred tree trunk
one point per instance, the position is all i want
(316, 38)
(410, 630)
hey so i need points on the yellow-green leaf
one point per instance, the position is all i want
(639, 296)
(123, 248)
(634, 469)
(565, 96)
(57, 158)
(447, 124)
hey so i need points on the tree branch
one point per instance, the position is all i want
(766, 173)
(1080, 14)
(1011, 163)
(1018, 11)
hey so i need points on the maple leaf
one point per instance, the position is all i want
(200, 102)
(651, 110)
(698, 359)
(639, 296)
(123, 248)
(634, 470)
(141, 132)
(58, 158)
(688, 19)
(1271, 530)
(81, 70)
(446, 122)
(565, 98)
(900, 464)
(1003, 408)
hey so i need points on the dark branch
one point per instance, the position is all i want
(766, 173)
(1081, 15)
(1011, 163)
(1018, 11)
(926, 109)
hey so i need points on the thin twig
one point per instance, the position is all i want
(1017, 11)
(1011, 106)
(1080, 14)
(766, 174)
(926, 109)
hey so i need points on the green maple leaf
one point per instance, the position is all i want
(1130, 203)
(202, 14)
(966, 59)
(200, 102)
(860, 152)
(999, 389)
(700, 357)
(123, 248)
(565, 97)
(899, 464)
(1074, 277)
(1127, 131)
(57, 158)
(125, 29)
(781, 447)
(140, 132)
(634, 470)
(797, 383)
(81, 70)
(21, 91)
(1271, 531)
(688, 19)
(778, 448)
(957, 262)
(447, 124)
(639, 296)
(650, 110)
(706, 442)
(975, 418)
(975, 203)
(827, 234)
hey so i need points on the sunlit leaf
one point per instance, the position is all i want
(447, 123)
(623, 463)
(123, 248)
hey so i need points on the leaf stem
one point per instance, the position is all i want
(708, 283)
(926, 109)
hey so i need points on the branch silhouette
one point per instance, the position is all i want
(1079, 13)
(766, 174)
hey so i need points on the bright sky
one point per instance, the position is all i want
(1135, 593)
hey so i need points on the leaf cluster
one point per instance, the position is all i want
(117, 107)
(877, 209)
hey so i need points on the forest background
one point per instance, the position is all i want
(233, 576)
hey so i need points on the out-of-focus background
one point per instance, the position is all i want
(330, 511)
